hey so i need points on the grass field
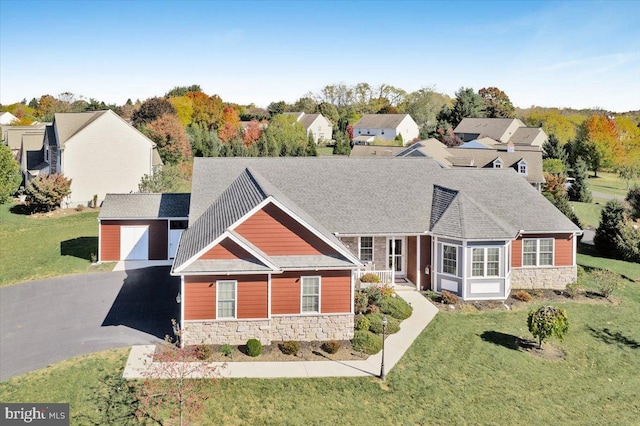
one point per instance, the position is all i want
(589, 256)
(463, 369)
(38, 248)
(610, 183)
(327, 150)
(588, 213)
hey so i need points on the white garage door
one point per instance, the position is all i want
(134, 243)
(174, 239)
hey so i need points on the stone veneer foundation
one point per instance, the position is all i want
(555, 278)
(279, 328)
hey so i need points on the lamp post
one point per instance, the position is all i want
(384, 326)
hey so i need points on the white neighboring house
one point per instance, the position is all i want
(100, 152)
(386, 127)
(316, 124)
(7, 118)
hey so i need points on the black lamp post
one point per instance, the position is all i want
(384, 326)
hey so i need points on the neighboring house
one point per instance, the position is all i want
(316, 124)
(7, 118)
(375, 150)
(12, 136)
(32, 161)
(100, 152)
(141, 226)
(430, 148)
(502, 131)
(269, 254)
(385, 127)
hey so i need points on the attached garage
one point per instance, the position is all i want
(141, 226)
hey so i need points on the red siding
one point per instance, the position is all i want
(277, 234)
(200, 296)
(227, 249)
(110, 238)
(562, 254)
(335, 290)
(285, 293)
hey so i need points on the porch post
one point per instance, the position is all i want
(418, 267)
(393, 261)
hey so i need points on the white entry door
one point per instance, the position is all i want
(396, 255)
(174, 239)
(134, 243)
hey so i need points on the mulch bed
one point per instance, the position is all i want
(309, 351)
(538, 296)
(548, 351)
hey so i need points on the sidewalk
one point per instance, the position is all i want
(396, 345)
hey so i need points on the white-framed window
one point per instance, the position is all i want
(522, 167)
(310, 294)
(366, 249)
(537, 252)
(485, 262)
(497, 163)
(449, 259)
(226, 294)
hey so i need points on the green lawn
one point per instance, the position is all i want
(588, 213)
(462, 369)
(610, 183)
(327, 150)
(38, 248)
(589, 256)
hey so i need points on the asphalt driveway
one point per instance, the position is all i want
(47, 321)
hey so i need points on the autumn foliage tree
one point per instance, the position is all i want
(598, 143)
(230, 124)
(170, 138)
(497, 103)
(46, 192)
(252, 132)
(151, 110)
(207, 110)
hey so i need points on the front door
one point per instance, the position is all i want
(395, 255)
(174, 238)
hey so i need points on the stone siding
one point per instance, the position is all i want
(543, 278)
(237, 332)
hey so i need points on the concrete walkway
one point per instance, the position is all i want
(140, 357)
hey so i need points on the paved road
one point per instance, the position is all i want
(47, 321)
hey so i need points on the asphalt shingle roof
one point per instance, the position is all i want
(494, 128)
(145, 206)
(483, 158)
(380, 121)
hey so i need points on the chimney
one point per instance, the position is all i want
(511, 147)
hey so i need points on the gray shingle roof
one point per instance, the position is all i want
(431, 148)
(380, 121)
(145, 206)
(493, 128)
(483, 158)
(526, 135)
(375, 150)
(70, 123)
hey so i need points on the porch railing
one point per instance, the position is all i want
(386, 277)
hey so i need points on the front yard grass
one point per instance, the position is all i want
(588, 213)
(610, 183)
(45, 247)
(588, 256)
(462, 369)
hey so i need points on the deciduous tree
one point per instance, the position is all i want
(252, 132)
(230, 124)
(46, 192)
(182, 90)
(170, 138)
(10, 176)
(497, 104)
(151, 110)
(207, 110)
(546, 322)
(184, 108)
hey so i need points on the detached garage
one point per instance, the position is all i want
(141, 226)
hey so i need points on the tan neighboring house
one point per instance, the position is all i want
(13, 136)
(499, 132)
(7, 118)
(430, 148)
(99, 151)
(375, 151)
(316, 124)
(385, 127)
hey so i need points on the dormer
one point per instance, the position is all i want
(498, 163)
(523, 167)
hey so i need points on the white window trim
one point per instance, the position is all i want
(523, 163)
(302, 278)
(485, 262)
(498, 163)
(538, 265)
(235, 304)
(442, 261)
(360, 248)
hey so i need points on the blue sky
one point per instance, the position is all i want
(578, 54)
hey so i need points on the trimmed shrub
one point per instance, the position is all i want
(331, 346)
(396, 307)
(374, 295)
(373, 309)
(387, 290)
(606, 281)
(546, 322)
(79, 207)
(290, 347)
(367, 342)
(522, 296)
(573, 289)
(432, 295)
(370, 277)
(254, 347)
(393, 325)
(360, 303)
(203, 352)
(449, 298)
(362, 323)
(226, 350)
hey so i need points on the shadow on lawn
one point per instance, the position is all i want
(508, 341)
(23, 209)
(81, 247)
(613, 337)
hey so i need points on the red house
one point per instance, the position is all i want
(274, 246)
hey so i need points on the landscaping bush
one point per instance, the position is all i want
(374, 295)
(522, 296)
(373, 309)
(226, 350)
(362, 323)
(606, 281)
(366, 342)
(254, 347)
(45, 192)
(573, 289)
(361, 302)
(331, 346)
(387, 290)
(290, 347)
(432, 295)
(370, 277)
(546, 322)
(449, 298)
(203, 352)
(393, 325)
(396, 307)
(79, 207)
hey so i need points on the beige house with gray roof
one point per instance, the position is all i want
(501, 131)
(315, 124)
(385, 127)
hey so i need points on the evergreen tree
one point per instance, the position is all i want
(342, 146)
(633, 198)
(609, 230)
(579, 190)
(468, 105)
(554, 150)
(10, 176)
(311, 146)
